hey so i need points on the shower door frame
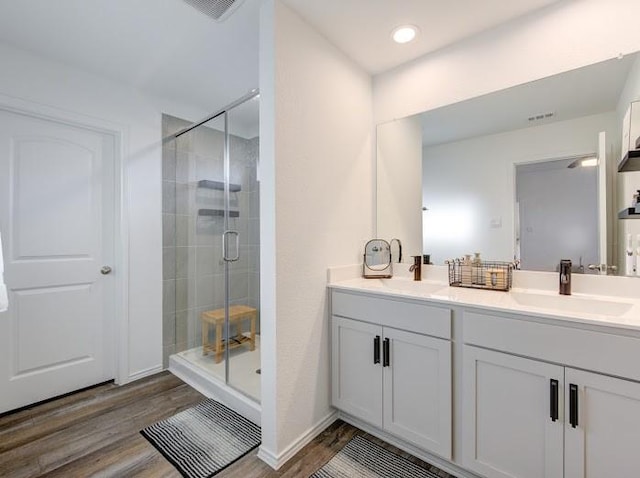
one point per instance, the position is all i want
(224, 112)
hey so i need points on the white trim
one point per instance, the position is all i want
(212, 388)
(147, 372)
(120, 134)
(435, 460)
(276, 461)
(268, 457)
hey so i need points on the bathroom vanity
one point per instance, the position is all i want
(524, 383)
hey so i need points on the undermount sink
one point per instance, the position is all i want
(421, 287)
(571, 304)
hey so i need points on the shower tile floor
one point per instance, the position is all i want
(243, 365)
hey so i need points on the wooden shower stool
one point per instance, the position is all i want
(237, 313)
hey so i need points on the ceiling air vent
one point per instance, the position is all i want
(541, 116)
(219, 10)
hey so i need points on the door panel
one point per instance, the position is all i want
(417, 385)
(36, 341)
(56, 219)
(53, 197)
(507, 428)
(605, 440)
(357, 380)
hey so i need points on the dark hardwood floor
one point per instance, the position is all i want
(95, 432)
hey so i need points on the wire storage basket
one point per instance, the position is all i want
(493, 275)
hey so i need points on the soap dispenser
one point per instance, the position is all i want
(465, 270)
(630, 263)
(477, 277)
(416, 268)
(565, 277)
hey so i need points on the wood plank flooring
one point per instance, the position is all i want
(95, 432)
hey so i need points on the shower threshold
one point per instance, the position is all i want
(213, 387)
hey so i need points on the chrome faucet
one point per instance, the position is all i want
(565, 277)
(602, 268)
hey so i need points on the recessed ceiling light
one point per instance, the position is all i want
(404, 34)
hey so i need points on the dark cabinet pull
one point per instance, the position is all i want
(376, 349)
(385, 353)
(553, 399)
(573, 405)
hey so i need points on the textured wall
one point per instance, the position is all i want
(316, 171)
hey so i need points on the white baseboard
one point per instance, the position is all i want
(268, 457)
(276, 461)
(441, 463)
(142, 374)
(213, 388)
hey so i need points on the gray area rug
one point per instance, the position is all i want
(203, 440)
(364, 459)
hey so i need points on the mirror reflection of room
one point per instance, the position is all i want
(557, 203)
(502, 174)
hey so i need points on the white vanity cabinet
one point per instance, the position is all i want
(526, 418)
(509, 422)
(606, 438)
(391, 367)
(356, 375)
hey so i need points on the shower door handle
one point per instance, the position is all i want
(225, 246)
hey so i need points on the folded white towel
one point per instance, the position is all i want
(4, 300)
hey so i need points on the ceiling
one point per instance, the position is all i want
(362, 28)
(170, 50)
(164, 47)
(582, 92)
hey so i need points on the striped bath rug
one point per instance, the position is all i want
(203, 440)
(361, 458)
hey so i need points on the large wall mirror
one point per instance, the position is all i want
(528, 173)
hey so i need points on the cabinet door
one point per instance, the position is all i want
(356, 378)
(605, 440)
(508, 403)
(417, 390)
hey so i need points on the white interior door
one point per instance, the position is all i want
(56, 220)
(602, 198)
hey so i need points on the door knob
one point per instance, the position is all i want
(104, 270)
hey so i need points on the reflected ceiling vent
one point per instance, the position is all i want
(541, 116)
(219, 10)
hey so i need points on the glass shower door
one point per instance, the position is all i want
(208, 204)
(211, 246)
(243, 239)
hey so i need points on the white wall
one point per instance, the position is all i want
(561, 37)
(469, 183)
(398, 182)
(44, 82)
(316, 212)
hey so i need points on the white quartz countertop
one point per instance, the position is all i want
(600, 310)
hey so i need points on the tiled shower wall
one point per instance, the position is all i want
(193, 270)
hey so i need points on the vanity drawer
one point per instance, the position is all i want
(588, 349)
(405, 315)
